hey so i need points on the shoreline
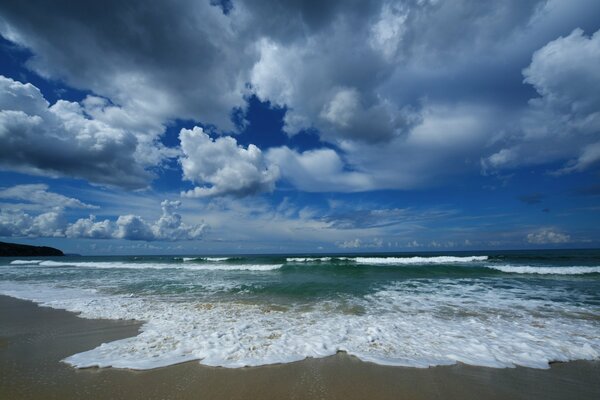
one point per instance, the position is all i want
(34, 339)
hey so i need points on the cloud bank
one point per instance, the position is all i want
(16, 223)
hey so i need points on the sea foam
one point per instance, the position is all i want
(217, 259)
(148, 265)
(409, 323)
(25, 262)
(418, 260)
(527, 269)
(307, 259)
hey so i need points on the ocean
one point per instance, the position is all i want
(493, 309)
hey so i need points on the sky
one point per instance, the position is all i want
(216, 127)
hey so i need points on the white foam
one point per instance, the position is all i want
(412, 323)
(215, 259)
(146, 265)
(418, 260)
(527, 269)
(307, 259)
(25, 262)
(235, 267)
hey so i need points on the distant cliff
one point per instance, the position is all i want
(23, 250)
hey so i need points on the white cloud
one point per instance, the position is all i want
(444, 142)
(387, 33)
(350, 244)
(38, 195)
(229, 169)
(169, 227)
(397, 86)
(186, 60)
(62, 140)
(342, 108)
(89, 228)
(548, 236)
(133, 227)
(318, 170)
(357, 243)
(589, 156)
(564, 122)
(15, 223)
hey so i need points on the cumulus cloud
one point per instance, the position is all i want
(16, 223)
(90, 228)
(228, 169)
(397, 86)
(182, 59)
(62, 140)
(563, 123)
(169, 227)
(444, 143)
(548, 236)
(350, 244)
(318, 170)
(298, 54)
(357, 243)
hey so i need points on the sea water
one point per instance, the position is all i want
(499, 309)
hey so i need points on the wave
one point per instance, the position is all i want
(527, 269)
(25, 262)
(238, 334)
(215, 259)
(390, 260)
(235, 267)
(418, 260)
(129, 265)
(309, 259)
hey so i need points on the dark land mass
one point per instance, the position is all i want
(24, 250)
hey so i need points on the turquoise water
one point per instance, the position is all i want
(497, 309)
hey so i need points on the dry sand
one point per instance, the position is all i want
(34, 339)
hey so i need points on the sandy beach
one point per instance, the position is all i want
(34, 339)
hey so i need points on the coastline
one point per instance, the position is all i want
(34, 339)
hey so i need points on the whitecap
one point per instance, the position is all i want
(25, 262)
(418, 260)
(146, 265)
(527, 269)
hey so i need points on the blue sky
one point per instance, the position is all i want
(207, 127)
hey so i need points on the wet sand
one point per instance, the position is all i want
(34, 339)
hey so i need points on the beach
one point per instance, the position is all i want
(34, 340)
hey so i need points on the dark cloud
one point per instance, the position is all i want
(410, 93)
(562, 123)
(174, 59)
(61, 140)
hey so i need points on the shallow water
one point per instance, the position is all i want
(490, 309)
